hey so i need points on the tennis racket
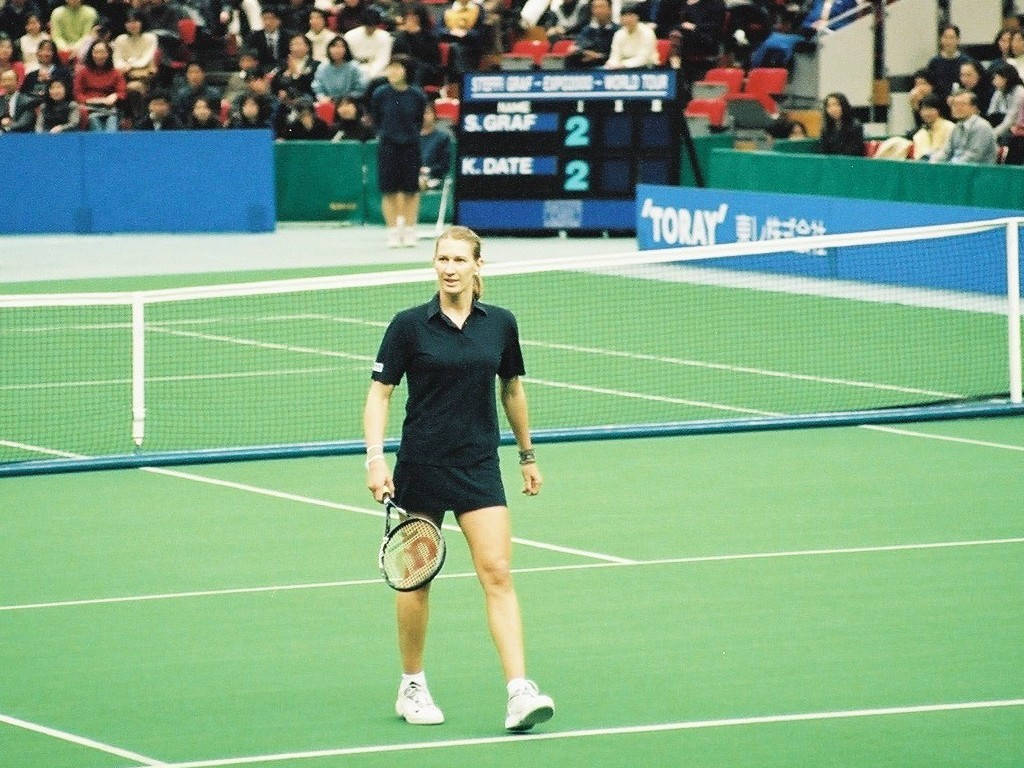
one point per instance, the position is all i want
(412, 552)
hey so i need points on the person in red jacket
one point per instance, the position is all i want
(100, 88)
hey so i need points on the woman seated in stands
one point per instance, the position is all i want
(841, 132)
(973, 78)
(48, 67)
(350, 122)
(417, 39)
(253, 112)
(294, 77)
(338, 76)
(100, 87)
(58, 113)
(1007, 97)
(205, 115)
(303, 123)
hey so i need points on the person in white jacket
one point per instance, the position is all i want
(633, 44)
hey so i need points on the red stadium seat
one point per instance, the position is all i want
(664, 49)
(766, 83)
(525, 54)
(731, 77)
(325, 111)
(713, 109)
(447, 110)
(187, 31)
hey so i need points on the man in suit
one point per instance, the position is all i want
(17, 109)
(972, 140)
(271, 42)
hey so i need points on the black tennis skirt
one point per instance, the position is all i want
(430, 490)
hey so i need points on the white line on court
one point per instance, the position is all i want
(79, 740)
(531, 570)
(731, 722)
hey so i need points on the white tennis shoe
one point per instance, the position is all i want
(528, 707)
(416, 706)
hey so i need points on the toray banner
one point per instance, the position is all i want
(670, 217)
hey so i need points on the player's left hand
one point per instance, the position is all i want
(532, 479)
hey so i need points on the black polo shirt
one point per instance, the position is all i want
(451, 416)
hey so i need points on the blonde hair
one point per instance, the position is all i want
(466, 235)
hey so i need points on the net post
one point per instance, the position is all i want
(1013, 306)
(138, 370)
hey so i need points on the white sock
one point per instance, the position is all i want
(419, 678)
(400, 223)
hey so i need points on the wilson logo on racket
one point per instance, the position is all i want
(411, 553)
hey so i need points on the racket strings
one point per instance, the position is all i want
(412, 554)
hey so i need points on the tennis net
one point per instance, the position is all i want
(885, 326)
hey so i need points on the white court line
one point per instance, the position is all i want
(79, 740)
(180, 377)
(694, 559)
(688, 725)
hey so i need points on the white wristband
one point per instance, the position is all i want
(375, 457)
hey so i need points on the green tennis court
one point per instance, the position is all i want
(841, 597)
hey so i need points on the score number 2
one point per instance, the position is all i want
(577, 172)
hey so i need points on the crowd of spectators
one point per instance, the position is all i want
(308, 68)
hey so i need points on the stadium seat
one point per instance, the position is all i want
(447, 110)
(555, 58)
(525, 54)
(712, 109)
(664, 48)
(719, 81)
(225, 112)
(325, 111)
(766, 83)
(187, 31)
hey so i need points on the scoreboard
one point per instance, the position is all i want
(563, 150)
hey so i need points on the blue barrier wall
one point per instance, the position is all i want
(669, 217)
(181, 181)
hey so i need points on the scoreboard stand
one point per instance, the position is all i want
(563, 151)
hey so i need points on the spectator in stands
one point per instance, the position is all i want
(829, 14)
(944, 67)
(258, 86)
(697, 31)
(194, 87)
(465, 31)
(338, 76)
(99, 31)
(1015, 141)
(48, 67)
(8, 62)
(633, 44)
(162, 18)
(397, 111)
(319, 35)
(58, 112)
(205, 115)
(135, 56)
(562, 19)
(295, 16)
(435, 151)
(1007, 98)
(14, 16)
(100, 87)
(294, 76)
(1017, 50)
(1002, 46)
(349, 14)
(17, 109)
(974, 78)
(370, 45)
(252, 112)
(935, 130)
(270, 43)
(304, 124)
(70, 23)
(28, 43)
(160, 116)
(841, 132)
(972, 140)
(417, 40)
(350, 122)
(235, 87)
(594, 42)
(924, 85)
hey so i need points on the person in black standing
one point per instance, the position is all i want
(396, 108)
(451, 351)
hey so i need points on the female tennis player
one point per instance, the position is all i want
(451, 349)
